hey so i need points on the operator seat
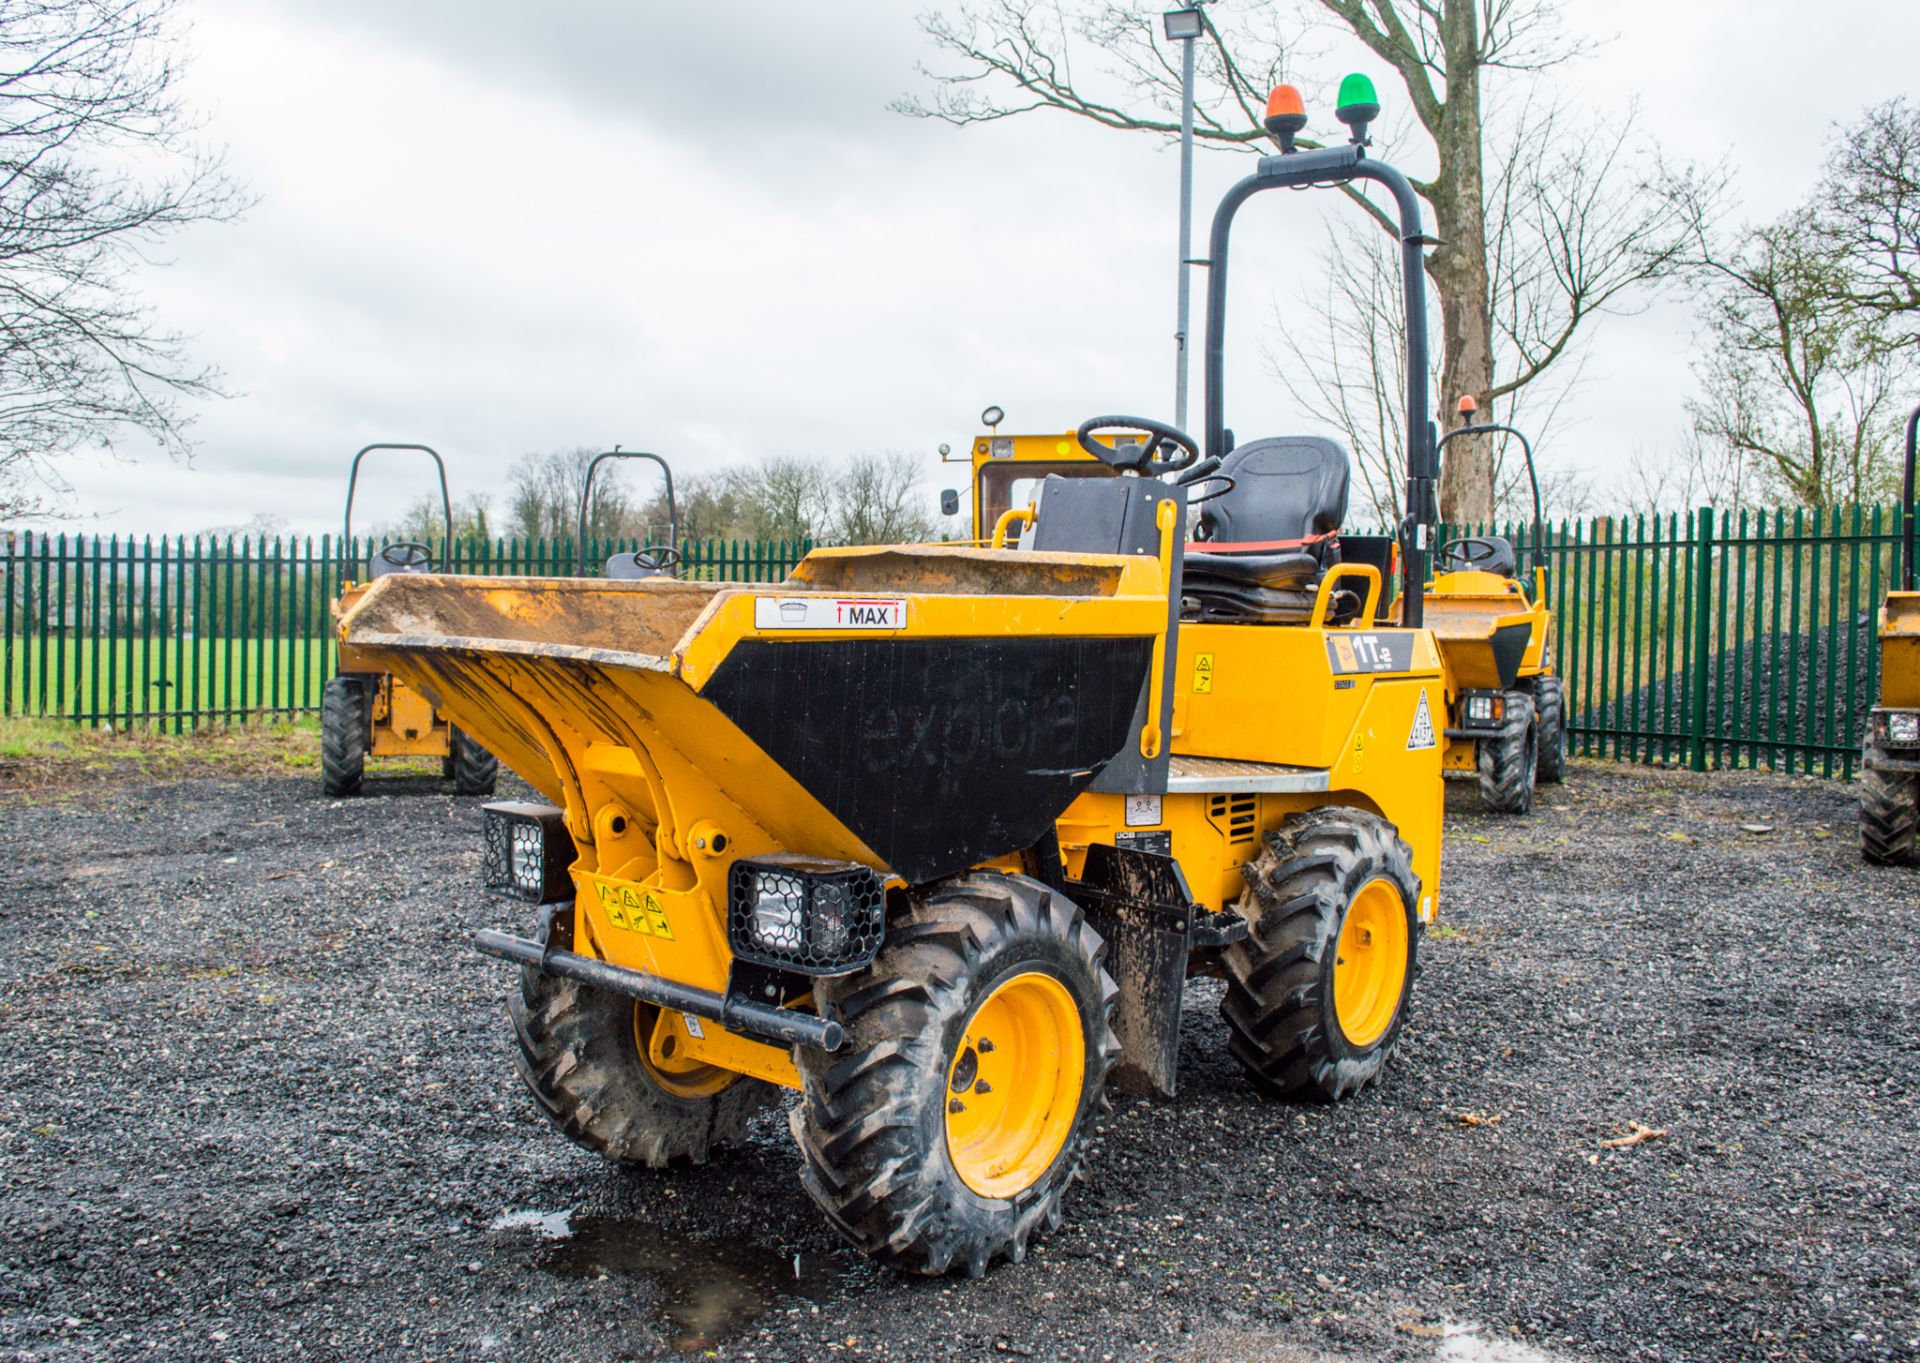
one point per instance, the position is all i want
(634, 566)
(1263, 545)
(1502, 561)
(395, 558)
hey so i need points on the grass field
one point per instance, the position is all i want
(126, 680)
(38, 756)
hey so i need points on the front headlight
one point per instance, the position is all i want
(1484, 709)
(779, 906)
(528, 852)
(1903, 727)
(805, 914)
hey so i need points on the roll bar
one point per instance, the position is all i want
(586, 500)
(1493, 427)
(353, 477)
(1333, 166)
(1906, 510)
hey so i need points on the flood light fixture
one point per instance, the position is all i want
(1184, 24)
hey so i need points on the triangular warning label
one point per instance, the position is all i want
(1421, 735)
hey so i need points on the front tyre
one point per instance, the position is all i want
(1509, 760)
(1317, 993)
(1550, 706)
(345, 715)
(584, 1057)
(978, 1041)
(474, 769)
(1889, 812)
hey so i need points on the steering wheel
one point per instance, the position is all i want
(661, 558)
(1470, 552)
(1225, 480)
(1144, 459)
(406, 555)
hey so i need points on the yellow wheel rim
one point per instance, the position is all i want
(1370, 967)
(1013, 1085)
(682, 1077)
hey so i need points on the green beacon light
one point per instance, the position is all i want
(1357, 105)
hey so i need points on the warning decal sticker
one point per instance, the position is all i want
(820, 612)
(1421, 735)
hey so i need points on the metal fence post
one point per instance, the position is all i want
(1702, 636)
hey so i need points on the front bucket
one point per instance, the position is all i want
(921, 710)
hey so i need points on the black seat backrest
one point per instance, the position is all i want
(1287, 487)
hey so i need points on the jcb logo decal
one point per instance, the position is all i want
(634, 910)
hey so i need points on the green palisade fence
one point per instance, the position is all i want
(1714, 639)
(177, 632)
(1721, 638)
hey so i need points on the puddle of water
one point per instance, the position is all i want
(709, 1288)
(1469, 1345)
(547, 1225)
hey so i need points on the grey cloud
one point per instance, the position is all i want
(725, 72)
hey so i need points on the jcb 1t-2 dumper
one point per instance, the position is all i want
(1506, 711)
(1890, 751)
(936, 835)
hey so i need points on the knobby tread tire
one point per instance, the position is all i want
(579, 1059)
(1279, 1005)
(343, 735)
(1509, 762)
(1889, 813)
(1550, 711)
(871, 1126)
(475, 770)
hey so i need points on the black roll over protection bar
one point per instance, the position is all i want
(1333, 166)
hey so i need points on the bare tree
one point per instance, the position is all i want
(783, 497)
(878, 499)
(425, 523)
(1796, 378)
(1592, 239)
(1702, 473)
(98, 164)
(1575, 225)
(543, 497)
(1867, 215)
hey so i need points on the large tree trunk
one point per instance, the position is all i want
(1458, 268)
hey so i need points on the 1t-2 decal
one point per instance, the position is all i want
(1381, 651)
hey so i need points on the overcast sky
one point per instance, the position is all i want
(496, 227)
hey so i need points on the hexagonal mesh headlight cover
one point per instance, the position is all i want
(805, 914)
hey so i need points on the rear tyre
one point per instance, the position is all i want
(1509, 761)
(946, 1132)
(1889, 813)
(1317, 994)
(344, 718)
(583, 1056)
(1550, 711)
(475, 770)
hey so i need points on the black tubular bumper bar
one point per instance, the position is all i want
(781, 1025)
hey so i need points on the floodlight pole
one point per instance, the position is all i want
(1184, 26)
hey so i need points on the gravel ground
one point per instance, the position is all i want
(256, 1102)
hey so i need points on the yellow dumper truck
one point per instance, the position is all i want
(936, 835)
